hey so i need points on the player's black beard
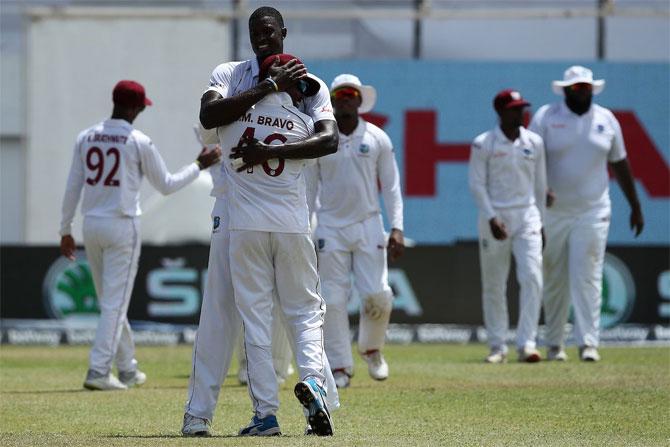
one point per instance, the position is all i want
(579, 107)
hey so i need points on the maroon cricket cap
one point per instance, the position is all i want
(130, 93)
(507, 99)
(312, 85)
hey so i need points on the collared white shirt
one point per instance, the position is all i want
(109, 161)
(578, 150)
(269, 197)
(232, 78)
(348, 191)
(507, 174)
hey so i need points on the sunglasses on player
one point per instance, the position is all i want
(580, 86)
(345, 92)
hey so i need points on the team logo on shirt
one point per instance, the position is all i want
(527, 152)
(600, 128)
(217, 224)
(68, 289)
(364, 149)
(320, 244)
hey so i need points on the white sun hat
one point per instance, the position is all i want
(578, 75)
(368, 92)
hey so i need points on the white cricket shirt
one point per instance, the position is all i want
(232, 78)
(348, 190)
(578, 149)
(507, 174)
(109, 161)
(268, 197)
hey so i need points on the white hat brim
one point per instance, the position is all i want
(368, 95)
(598, 85)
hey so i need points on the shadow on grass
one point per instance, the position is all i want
(171, 436)
(78, 390)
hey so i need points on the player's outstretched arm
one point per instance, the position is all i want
(323, 142)
(209, 157)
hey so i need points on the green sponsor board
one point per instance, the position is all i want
(69, 290)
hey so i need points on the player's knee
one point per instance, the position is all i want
(378, 305)
(336, 295)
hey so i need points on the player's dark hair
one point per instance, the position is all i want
(266, 11)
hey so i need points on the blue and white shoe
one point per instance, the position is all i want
(267, 426)
(311, 396)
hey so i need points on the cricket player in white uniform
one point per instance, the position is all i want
(271, 252)
(350, 232)
(581, 139)
(109, 161)
(220, 324)
(507, 177)
(234, 88)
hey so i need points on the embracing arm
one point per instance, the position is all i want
(323, 142)
(215, 110)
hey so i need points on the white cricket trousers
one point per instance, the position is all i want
(573, 272)
(524, 241)
(262, 264)
(113, 250)
(220, 326)
(359, 248)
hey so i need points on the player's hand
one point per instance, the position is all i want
(286, 75)
(498, 229)
(249, 153)
(396, 245)
(551, 197)
(209, 157)
(636, 220)
(67, 246)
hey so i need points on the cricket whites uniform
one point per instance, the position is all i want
(350, 237)
(110, 159)
(508, 180)
(271, 250)
(578, 150)
(218, 331)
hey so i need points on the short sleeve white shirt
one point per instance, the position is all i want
(578, 149)
(232, 78)
(270, 197)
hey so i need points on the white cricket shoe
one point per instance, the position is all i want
(589, 354)
(195, 426)
(557, 353)
(132, 378)
(342, 379)
(529, 355)
(377, 366)
(98, 382)
(497, 355)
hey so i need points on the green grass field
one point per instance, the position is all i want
(436, 395)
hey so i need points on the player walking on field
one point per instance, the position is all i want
(110, 159)
(581, 139)
(234, 88)
(350, 232)
(507, 177)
